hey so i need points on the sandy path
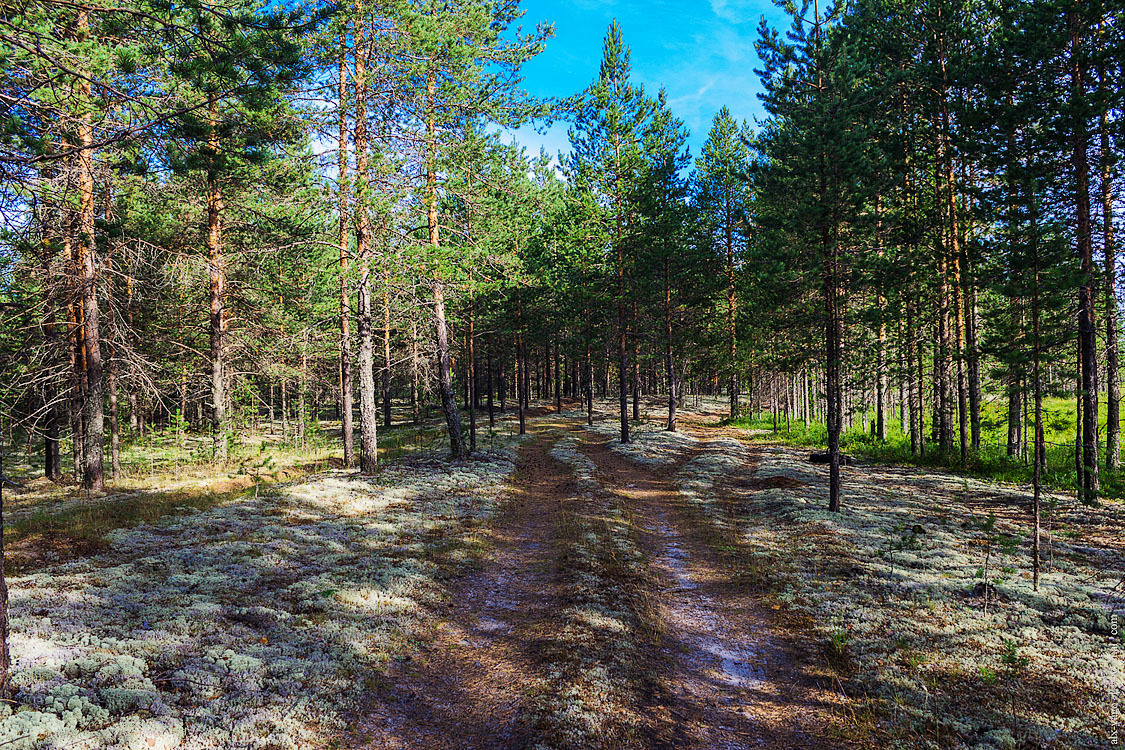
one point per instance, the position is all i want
(734, 681)
(727, 675)
(469, 687)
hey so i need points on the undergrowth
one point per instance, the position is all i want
(990, 462)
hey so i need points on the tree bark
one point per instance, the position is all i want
(521, 364)
(471, 357)
(445, 373)
(415, 411)
(368, 414)
(1113, 387)
(93, 475)
(347, 426)
(1087, 332)
(386, 384)
(558, 382)
(669, 364)
(491, 405)
(217, 270)
(1040, 452)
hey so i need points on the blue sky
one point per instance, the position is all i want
(701, 51)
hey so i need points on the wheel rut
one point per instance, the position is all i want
(718, 671)
(470, 686)
(730, 679)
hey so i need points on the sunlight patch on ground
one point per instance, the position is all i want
(254, 623)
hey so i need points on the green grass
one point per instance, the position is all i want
(169, 472)
(991, 461)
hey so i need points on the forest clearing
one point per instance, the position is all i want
(689, 589)
(481, 374)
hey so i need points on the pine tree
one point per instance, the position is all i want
(606, 139)
(722, 193)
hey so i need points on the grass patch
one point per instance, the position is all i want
(990, 462)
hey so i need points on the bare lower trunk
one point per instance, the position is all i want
(217, 270)
(114, 425)
(1039, 454)
(669, 364)
(415, 411)
(589, 378)
(386, 383)
(445, 374)
(1087, 332)
(636, 384)
(52, 458)
(622, 367)
(558, 381)
(1112, 386)
(491, 405)
(368, 413)
(833, 387)
(521, 365)
(347, 426)
(471, 357)
(93, 474)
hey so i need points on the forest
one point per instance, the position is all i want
(333, 417)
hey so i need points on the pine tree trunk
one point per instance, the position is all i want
(52, 458)
(558, 381)
(488, 367)
(114, 425)
(589, 375)
(217, 270)
(415, 411)
(1039, 456)
(636, 384)
(1087, 331)
(973, 343)
(284, 410)
(386, 351)
(913, 385)
(521, 365)
(347, 426)
(622, 325)
(302, 388)
(93, 475)
(471, 363)
(920, 384)
(368, 413)
(669, 364)
(1113, 386)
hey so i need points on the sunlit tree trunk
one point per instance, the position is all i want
(445, 372)
(386, 384)
(1112, 320)
(347, 426)
(93, 474)
(471, 357)
(217, 271)
(415, 395)
(1087, 332)
(669, 364)
(368, 414)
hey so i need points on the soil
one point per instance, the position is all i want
(727, 673)
(470, 686)
(735, 679)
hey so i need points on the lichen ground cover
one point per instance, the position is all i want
(895, 590)
(254, 624)
(591, 692)
(924, 583)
